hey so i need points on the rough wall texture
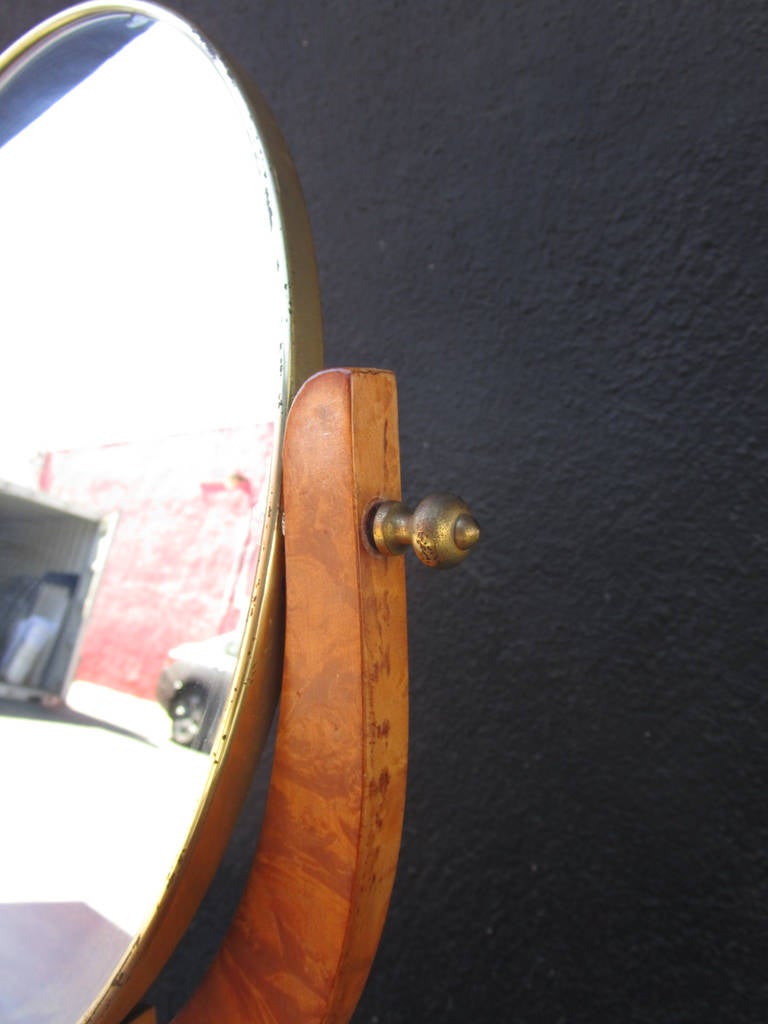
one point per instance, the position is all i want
(549, 219)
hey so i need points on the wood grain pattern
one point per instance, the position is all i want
(305, 934)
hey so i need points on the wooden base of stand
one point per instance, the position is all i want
(305, 934)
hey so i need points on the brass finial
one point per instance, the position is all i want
(441, 530)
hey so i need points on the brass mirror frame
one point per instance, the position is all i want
(248, 713)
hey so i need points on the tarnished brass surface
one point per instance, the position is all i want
(441, 530)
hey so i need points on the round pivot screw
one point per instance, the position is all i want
(441, 530)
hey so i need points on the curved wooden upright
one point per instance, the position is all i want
(305, 934)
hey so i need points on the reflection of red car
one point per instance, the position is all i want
(194, 685)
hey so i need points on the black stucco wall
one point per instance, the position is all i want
(550, 220)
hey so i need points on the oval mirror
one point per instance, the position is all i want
(159, 308)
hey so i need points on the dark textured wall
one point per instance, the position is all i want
(549, 219)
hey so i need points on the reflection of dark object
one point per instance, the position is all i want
(41, 81)
(187, 713)
(194, 685)
(32, 614)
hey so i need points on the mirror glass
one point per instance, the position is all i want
(146, 304)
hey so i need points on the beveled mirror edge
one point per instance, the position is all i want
(250, 708)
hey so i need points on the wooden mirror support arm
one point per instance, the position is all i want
(305, 934)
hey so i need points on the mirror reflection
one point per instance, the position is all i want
(145, 321)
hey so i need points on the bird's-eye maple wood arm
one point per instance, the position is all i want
(305, 934)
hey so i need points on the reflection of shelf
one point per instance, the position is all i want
(53, 552)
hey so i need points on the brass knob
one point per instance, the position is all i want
(441, 529)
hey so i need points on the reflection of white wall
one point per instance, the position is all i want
(143, 281)
(159, 786)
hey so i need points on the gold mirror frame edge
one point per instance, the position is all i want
(248, 715)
